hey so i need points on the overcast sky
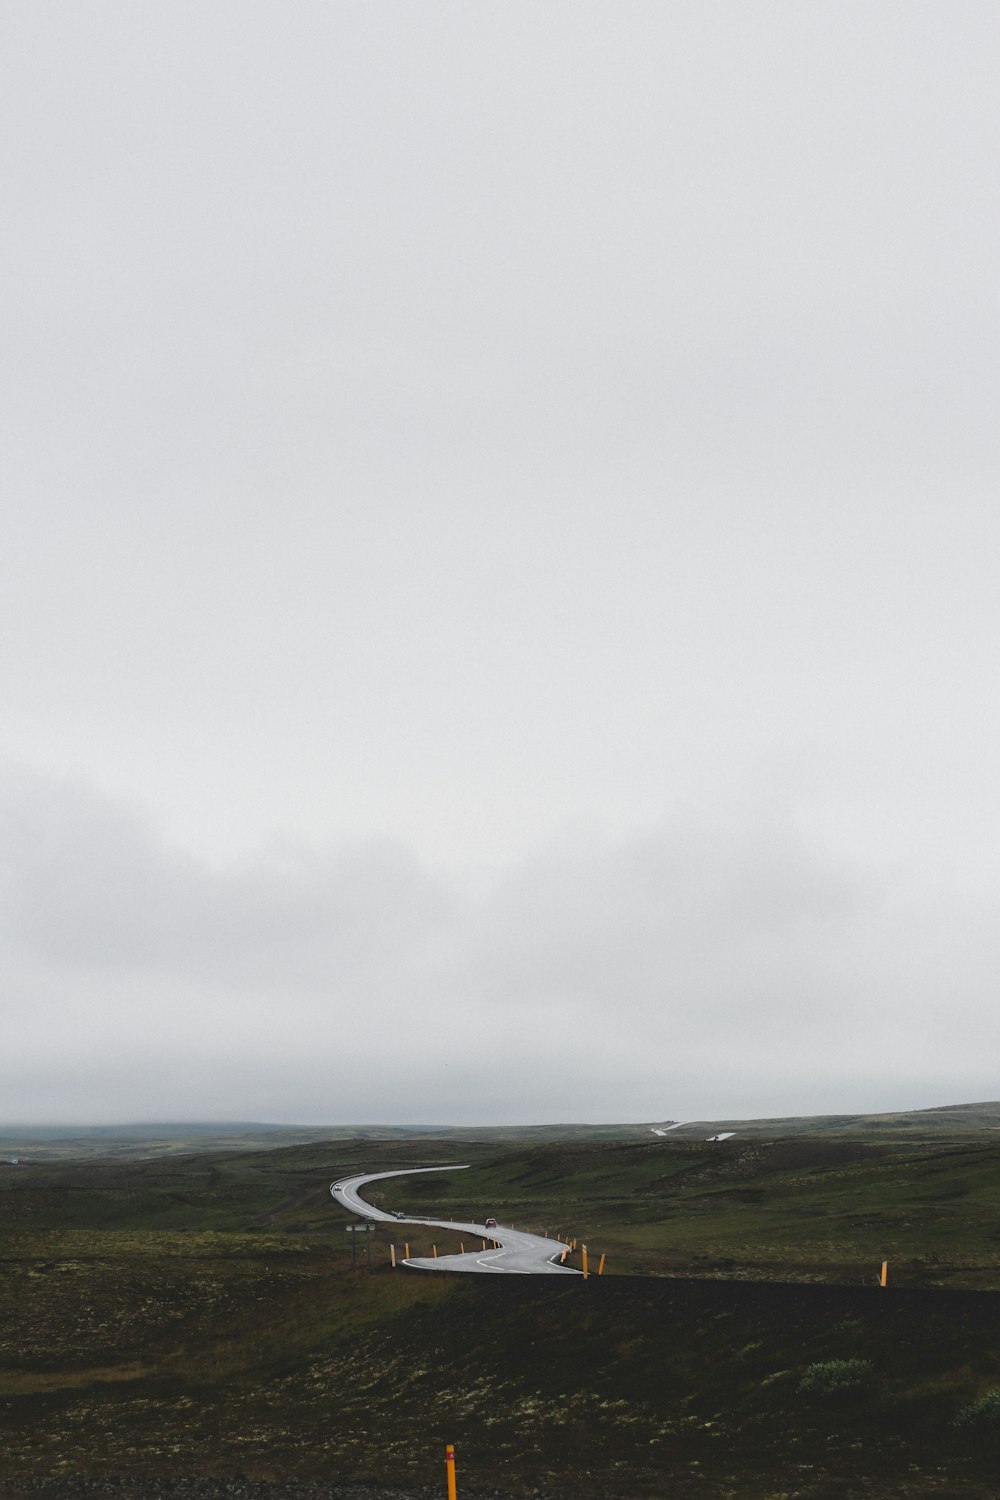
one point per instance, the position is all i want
(499, 601)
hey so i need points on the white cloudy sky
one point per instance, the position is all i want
(499, 604)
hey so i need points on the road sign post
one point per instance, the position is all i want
(366, 1230)
(449, 1461)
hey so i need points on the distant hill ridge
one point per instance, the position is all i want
(139, 1141)
(942, 1118)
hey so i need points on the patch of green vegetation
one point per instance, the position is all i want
(983, 1413)
(835, 1377)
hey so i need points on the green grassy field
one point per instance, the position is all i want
(814, 1210)
(201, 1315)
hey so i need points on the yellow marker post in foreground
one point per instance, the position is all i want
(883, 1279)
(600, 1268)
(449, 1463)
(584, 1249)
(435, 1249)
(407, 1249)
(392, 1255)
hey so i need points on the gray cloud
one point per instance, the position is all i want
(706, 964)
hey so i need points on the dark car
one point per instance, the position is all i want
(398, 1213)
(491, 1224)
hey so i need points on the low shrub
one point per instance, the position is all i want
(983, 1414)
(835, 1377)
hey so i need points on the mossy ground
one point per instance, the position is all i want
(202, 1315)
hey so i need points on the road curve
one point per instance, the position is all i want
(509, 1252)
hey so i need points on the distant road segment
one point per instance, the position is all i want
(509, 1252)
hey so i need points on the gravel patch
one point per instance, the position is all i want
(145, 1488)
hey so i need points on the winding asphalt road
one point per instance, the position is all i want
(510, 1252)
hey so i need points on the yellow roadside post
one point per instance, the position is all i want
(461, 1246)
(435, 1249)
(584, 1248)
(449, 1463)
(484, 1244)
(562, 1258)
(600, 1268)
(407, 1249)
(883, 1279)
(392, 1255)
